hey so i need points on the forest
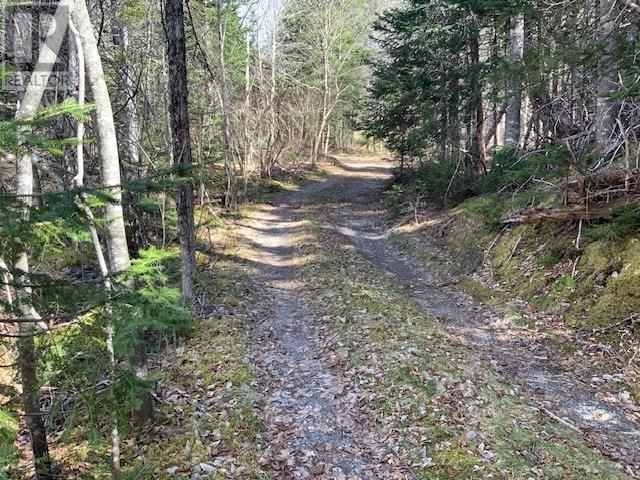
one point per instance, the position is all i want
(333, 239)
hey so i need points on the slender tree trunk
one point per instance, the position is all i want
(444, 123)
(247, 131)
(132, 127)
(7, 280)
(327, 139)
(34, 417)
(109, 160)
(317, 143)
(179, 112)
(478, 147)
(78, 182)
(607, 109)
(454, 119)
(225, 100)
(117, 246)
(529, 115)
(573, 77)
(514, 100)
(116, 240)
(492, 130)
(272, 97)
(131, 136)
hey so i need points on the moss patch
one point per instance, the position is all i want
(408, 243)
(514, 264)
(8, 454)
(495, 299)
(535, 262)
(212, 418)
(621, 294)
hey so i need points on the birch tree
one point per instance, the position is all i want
(34, 417)
(117, 246)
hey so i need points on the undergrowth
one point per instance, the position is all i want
(8, 431)
(620, 223)
(209, 416)
(507, 181)
(213, 415)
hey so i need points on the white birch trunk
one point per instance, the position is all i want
(109, 160)
(24, 190)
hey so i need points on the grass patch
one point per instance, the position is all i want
(269, 188)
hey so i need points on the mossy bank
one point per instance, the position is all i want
(590, 280)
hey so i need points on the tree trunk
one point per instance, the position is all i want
(31, 100)
(132, 128)
(492, 132)
(607, 109)
(131, 136)
(454, 119)
(272, 97)
(514, 100)
(591, 211)
(317, 144)
(444, 124)
(478, 148)
(78, 182)
(34, 416)
(247, 131)
(117, 246)
(225, 101)
(108, 146)
(181, 141)
(327, 140)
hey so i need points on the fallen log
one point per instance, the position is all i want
(590, 211)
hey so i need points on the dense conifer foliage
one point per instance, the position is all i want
(456, 81)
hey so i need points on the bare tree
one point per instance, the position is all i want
(225, 103)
